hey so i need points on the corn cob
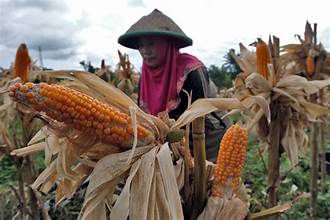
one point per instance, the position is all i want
(230, 161)
(82, 112)
(310, 66)
(263, 58)
(22, 63)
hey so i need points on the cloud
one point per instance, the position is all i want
(54, 5)
(75, 30)
(325, 38)
(42, 24)
(136, 3)
(60, 54)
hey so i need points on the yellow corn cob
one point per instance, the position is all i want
(263, 58)
(310, 66)
(231, 159)
(81, 111)
(22, 63)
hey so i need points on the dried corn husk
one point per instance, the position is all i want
(220, 208)
(290, 89)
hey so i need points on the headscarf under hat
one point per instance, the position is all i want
(160, 87)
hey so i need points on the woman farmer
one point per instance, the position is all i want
(166, 73)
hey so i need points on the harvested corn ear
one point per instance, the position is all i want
(231, 159)
(82, 112)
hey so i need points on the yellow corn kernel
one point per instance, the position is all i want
(310, 66)
(263, 58)
(22, 63)
(230, 160)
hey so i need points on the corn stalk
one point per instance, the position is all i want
(322, 154)
(315, 136)
(314, 170)
(199, 192)
(274, 156)
(275, 136)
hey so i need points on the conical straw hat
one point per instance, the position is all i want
(154, 24)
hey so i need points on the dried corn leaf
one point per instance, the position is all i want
(152, 200)
(67, 187)
(32, 149)
(8, 112)
(290, 143)
(5, 137)
(234, 209)
(261, 102)
(220, 208)
(133, 111)
(272, 211)
(7, 106)
(179, 173)
(246, 59)
(53, 145)
(257, 84)
(100, 150)
(281, 92)
(67, 158)
(46, 187)
(38, 137)
(45, 175)
(292, 48)
(314, 111)
(63, 190)
(242, 194)
(150, 191)
(308, 34)
(162, 206)
(301, 83)
(213, 207)
(107, 172)
(170, 184)
(99, 212)
(121, 208)
(231, 113)
(141, 186)
(241, 92)
(243, 65)
(95, 200)
(251, 122)
(276, 209)
(111, 166)
(202, 107)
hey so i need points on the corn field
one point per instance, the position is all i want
(103, 153)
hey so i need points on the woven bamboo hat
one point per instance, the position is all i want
(154, 24)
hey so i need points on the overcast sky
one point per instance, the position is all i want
(69, 31)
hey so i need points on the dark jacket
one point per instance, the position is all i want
(198, 81)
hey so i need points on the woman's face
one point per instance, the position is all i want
(152, 50)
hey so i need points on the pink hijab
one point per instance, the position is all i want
(160, 87)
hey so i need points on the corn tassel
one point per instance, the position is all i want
(230, 161)
(263, 58)
(82, 112)
(22, 63)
